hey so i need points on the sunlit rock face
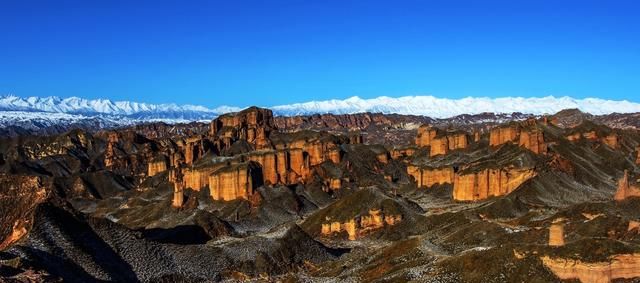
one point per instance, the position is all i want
(426, 134)
(489, 182)
(193, 148)
(427, 177)
(19, 195)
(556, 233)
(611, 140)
(235, 182)
(440, 142)
(533, 140)
(360, 225)
(502, 135)
(252, 124)
(176, 178)
(157, 165)
(626, 188)
(623, 266)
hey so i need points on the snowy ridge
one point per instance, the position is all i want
(445, 108)
(132, 110)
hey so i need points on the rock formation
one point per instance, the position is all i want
(235, 182)
(196, 178)
(623, 266)
(439, 146)
(359, 226)
(626, 189)
(178, 187)
(19, 195)
(526, 134)
(489, 182)
(157, 165)
(252, 124)
(426, 134)
(440, 142)
(397, 153)
(502, 135)
(638, 155)
(110, 152)
(534, 141)
(427, 177)
(193, 149)
(556, 233)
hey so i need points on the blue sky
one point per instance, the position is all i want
(278, 52)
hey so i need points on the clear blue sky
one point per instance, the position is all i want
(277, 52)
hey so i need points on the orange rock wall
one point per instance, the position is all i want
(457, 141)
(197, 178)
(232, 184)
(556, 234)
(356, 228)
(624, 266)
(439, 146)
(155, 167)
(502, 135)
(252, 124)
(534, 141)
(425, 135)
(626, 189)
(488, 183)
(426, 177)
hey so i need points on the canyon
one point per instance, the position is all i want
(351, 197)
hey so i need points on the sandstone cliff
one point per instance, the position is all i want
(19, 196)
(252, 124)
(157, 165)
(626, 188)
(624, 266)
(360, 226)
(526, 134)
(235, 182)
(440, 142)
(504, 134)
(176, 177)
(427, 177)
(556, 233)
(489, 182)
(533, 140)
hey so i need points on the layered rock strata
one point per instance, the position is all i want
(157, 165)
(252, 124)
(440, 142)
(176, 178)
(359, 226)
(489, 182)
(623, 266)
(427, 177)
(235, 182)
(529, 137)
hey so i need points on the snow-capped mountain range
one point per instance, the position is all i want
(41, 112)
(444, 108)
